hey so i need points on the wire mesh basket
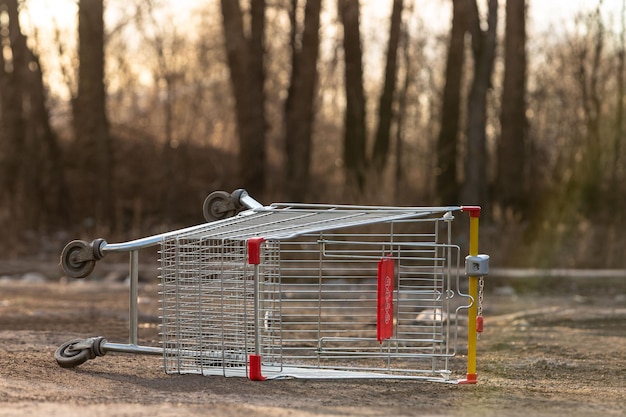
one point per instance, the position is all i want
(310, 300)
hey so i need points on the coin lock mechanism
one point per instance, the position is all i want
(477, 266)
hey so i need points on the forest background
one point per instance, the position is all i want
(122, 123)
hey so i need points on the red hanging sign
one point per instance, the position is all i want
(384, 319)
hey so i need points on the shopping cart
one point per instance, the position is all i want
(303, 291)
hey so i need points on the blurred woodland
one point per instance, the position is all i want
(294, 101)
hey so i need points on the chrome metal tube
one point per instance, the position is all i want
(134, 294)
(131, 348)
(249, 202)
(257, 349)
(145, 242)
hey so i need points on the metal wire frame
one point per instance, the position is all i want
(316, 295)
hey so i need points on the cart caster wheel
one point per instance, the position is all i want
(78, 351)
(73, 259)
(236, 197)
(68, 355)
(217, 206)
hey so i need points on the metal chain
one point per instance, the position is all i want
(479, 316)
(481, 287)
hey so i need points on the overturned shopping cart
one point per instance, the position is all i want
(304, 291)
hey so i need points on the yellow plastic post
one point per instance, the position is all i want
(472, 312)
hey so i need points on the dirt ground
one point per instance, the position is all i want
(556, 354)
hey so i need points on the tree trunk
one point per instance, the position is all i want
(355, 132)
(90, 120)
(510, 181)
(619, 108)
(299, 106)
(409, 75)
(53, 190)
(32, 179)
(245, 61)
(447, 142)
(12, 123)
(483, 48)
(385, 107)
(589, 175)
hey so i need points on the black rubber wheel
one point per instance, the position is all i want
(68, 357)
(217, 206)
(236, 197)
(72, 266)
